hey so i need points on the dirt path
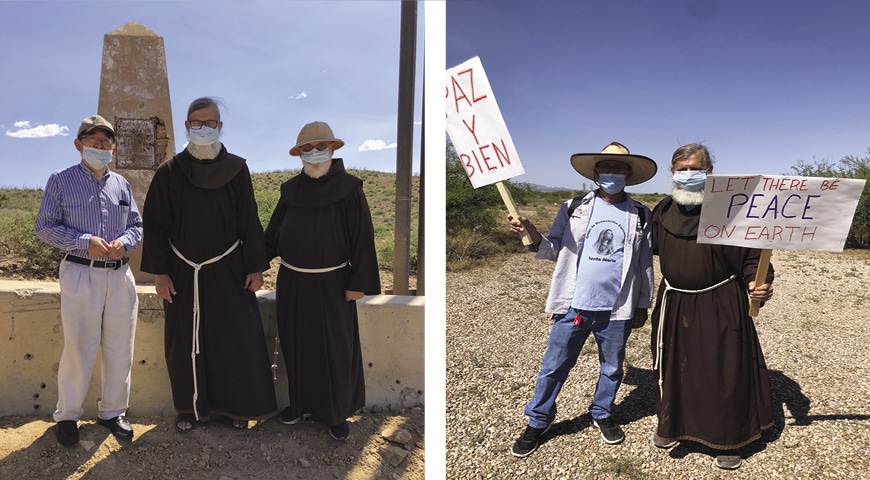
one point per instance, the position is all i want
(215, 450)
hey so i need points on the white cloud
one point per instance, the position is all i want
(25, 130)
(374, 146)
(298, 96)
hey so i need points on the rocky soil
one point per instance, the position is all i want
(815, 334)
(381, 446)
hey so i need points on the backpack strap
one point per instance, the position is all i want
(575, 202)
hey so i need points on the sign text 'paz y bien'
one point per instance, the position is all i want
(477, 128)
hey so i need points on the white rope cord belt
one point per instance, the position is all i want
(194, 349)
(314, 270)
(660, 343)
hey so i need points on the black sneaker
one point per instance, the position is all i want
(610, 431)
(340, 431)
(67, 433)
(528, 441)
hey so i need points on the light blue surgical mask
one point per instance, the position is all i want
(96, 158)
(611, 183)
(690, 180)
(316, 156)
(204, 135)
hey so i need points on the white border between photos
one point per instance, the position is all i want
(435, 251)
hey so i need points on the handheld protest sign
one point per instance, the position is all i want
(512, 208)
(478, 131)
(760, 277)
(778, 212)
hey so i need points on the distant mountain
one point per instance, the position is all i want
(543, 188)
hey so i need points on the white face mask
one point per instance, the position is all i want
(204, 136)
(316, 156)
(690, 180)
(96, 158)
(611, 183)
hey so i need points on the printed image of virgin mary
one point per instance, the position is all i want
(604, 244)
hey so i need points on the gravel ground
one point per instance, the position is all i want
(814, 334)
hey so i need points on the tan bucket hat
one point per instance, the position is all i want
(642, 168)
(93, 122)
(315, 132)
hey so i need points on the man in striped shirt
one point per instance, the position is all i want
(88, 212)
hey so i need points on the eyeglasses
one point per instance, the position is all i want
(197, 124)
(320, 146)
(92, 142)
(613, 167)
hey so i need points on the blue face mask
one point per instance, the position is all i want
(316, 156)
(690, 180)
(96, 158)
(611, 183)
(204, 136)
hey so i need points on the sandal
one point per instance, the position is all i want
(240, 424)
(183, 420)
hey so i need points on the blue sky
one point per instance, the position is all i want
(276, 64)
(762, 83)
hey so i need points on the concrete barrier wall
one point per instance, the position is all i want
(31, 341)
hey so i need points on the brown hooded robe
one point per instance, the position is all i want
(716, 388)
(322, 223)
(203, 207)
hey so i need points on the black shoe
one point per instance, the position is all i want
(67, 433)
(340, 431)
(610, 431)
(119, 426)
(528, 441)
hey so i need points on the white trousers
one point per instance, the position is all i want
(98, 309)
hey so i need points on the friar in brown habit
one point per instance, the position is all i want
(322, 231)
(203, 241)
(713, 385)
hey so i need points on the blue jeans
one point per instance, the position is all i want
(563, 348)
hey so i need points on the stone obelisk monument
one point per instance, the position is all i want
(134, 96)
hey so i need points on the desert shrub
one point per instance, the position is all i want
(266, 201)
(466, 248)
(468, 208)
(18, 240)
(475, 217)
(33, 259)
(849, 166)
(385, 247)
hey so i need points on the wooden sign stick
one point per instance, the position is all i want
(760, 277)
(512, 208)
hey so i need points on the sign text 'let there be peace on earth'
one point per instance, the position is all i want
(778, 212)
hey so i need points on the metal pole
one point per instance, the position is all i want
(421, 217)
(404, 147)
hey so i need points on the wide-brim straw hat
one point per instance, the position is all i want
(312, 133)
(642, 168)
